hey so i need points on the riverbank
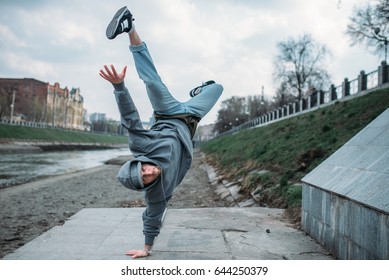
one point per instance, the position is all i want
(15, 147)
(18, 133)
(30, 209)
(271, 159)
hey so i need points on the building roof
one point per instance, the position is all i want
(6, 80)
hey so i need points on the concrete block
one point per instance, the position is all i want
(381, 164)
(228, 184)
(234, 191)
(366, 136)
(368, 156)
(220, 189)
(342, 181)
(248, 203)
(372, 190)
(225, 195)
(365, 228)
(317, 177)
(341, 246)
(256, 194)
(384, 239)
(327, 208)
(229, 198)
(316, 203)
(382, 139)
(332, 178)
(340, 215)
(328, 238)
(211, 173)
(306, 197)
(306, 222)
(345, 156)
(358, 253)
(316, 229)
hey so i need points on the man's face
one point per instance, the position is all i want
(149, 173)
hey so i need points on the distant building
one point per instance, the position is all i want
(204, 133)
(35, 101)
(97, 117)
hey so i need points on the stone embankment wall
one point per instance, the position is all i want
(345, 203)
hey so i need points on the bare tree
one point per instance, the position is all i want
(282, 97)
(300, 65)
(233, 112)
(369, 26)
(257, 106)
(383, 8)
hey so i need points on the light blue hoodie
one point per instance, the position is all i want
(167, 144)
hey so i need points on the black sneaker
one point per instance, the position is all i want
(198, 89)
(121, 22)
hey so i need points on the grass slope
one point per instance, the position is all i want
(291, 148)
(22, 133)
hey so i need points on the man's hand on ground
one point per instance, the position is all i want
(138, 253)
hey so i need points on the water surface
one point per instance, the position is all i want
(20, 168)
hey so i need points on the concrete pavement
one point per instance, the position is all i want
(253, 233)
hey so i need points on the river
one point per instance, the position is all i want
(20, 168)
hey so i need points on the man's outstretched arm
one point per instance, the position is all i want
(128, 112)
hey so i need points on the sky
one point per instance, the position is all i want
(232, 42)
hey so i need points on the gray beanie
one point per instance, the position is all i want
(130, 175)
(135, 176)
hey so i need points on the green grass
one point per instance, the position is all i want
(23, 133)
(291, 148)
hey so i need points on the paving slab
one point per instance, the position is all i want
(92, 233)
(187, 234)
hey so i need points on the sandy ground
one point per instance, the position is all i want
(30, 209)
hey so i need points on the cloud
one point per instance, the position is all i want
(230, 41)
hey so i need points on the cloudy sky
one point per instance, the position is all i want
(230, 41)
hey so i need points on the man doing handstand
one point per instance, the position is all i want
(163, 154)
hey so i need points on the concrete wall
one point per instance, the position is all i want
(346, 228)
(345, 204)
